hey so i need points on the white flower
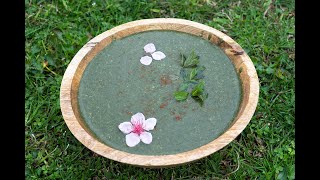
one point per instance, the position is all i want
(149, 48)
(156, 55)
(137, 129)
(146, 60)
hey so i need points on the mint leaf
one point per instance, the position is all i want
(192, 60)
(198, 93)
(198, 89)
(200, 71)
(192, 76)
(200, 98)
(197, 73)
(181, 95)
(193, 73)
(183, 59)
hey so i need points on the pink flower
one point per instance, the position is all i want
(137, 129)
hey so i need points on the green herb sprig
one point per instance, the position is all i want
(192, 75)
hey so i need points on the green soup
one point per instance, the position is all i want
(115, 85)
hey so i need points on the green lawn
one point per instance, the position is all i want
(57, 29)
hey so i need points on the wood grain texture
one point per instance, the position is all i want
(73, 74)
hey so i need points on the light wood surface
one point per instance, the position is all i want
(72, 76)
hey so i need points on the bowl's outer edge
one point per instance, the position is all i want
(248, 76)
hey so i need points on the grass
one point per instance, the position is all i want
(57, 29)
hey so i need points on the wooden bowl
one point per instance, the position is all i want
(241, 61)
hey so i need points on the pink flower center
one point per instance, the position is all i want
(137, 128)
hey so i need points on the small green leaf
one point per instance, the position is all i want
(182, 60)
(193, 73)
(201, 98)
(198, 89)
(200, 71)
(181, 95)
(192, 60)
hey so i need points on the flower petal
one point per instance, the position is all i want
(138, 119)
(126, 127)
(146, 60)
(149, 48)
(149, 124)
(132, 139)
(146, 137)
(158, 55)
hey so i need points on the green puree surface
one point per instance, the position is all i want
(115, 85)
